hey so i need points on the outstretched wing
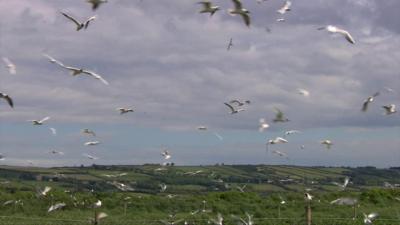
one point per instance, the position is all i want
(86, 24)
(95, 75)
(78, 24)
(230, 107)
(8, 99)
(44, 119)
(246, 18)
(238, 4)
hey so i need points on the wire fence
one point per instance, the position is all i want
(15, 220)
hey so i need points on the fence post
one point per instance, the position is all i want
(308, 213)
(354, 211)
(95, 222)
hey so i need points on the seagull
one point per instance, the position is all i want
(88, 131)
(240, 103)
(56, 207)
(233, 110)
(77, 71)
(344, 201)
(56, 152)
(192, 173)
(277, 140)
(285, 8)
(12, 69)
(289, 132)
(219, 220)
(282, 201)
(166, 154)
(208, 7)
(244, 222)
(8, 99)
(96, 3)
(230, 44)
(279, 116)
(44, 191)
(263, 125)
(79, 25)
(163, 187)
(91, 143)
(90, 156)
(96, 204)
(124, 110)
(389, 109)
(280, 154)
(100, 215)
(202, 128)
(53, 131)
(388, 89)
(308, 197)
(327, 143)
(241, 189)
(121, 186)
(303, 92)
(333, 29)
(280, 20)
(369, 218)
(240, 11)
(367, 101)
(39, 122)
(345, 183)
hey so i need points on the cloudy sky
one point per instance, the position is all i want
(170, 64)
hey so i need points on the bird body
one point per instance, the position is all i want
(344, 33)
(327, 143)
(239, 10)
(90, 156)
(39, 122)
(368, 101)
(91, 143)
(303, 92)
(290, 132)
(230, 44)
(56, 207)
(88, 131)
(8, 99)
(96, 3)
(368, 219)
(208, 7)
(44, 191)
(389, 109)
(12, 69)
(308, 197)
(124, 110)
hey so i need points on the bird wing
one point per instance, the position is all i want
(376, 94)
(237, 3)
(246, 18)
(72, 19)
(282, 140)
(365, 106)
(86, 23)
(44, 119)
(101, 215)
(372, 216)
(95, 75)
(347, 35)
(206, 4)
(230, 107)
(235, 101)
(8, 99)
(53, 60)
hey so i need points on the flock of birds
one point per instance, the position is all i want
(234, 106)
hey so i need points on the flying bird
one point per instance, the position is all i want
(280, 20)
(241, 189)
(43, 192)
(77, 71)
(389, 109)
(240, 103)
(12, 69)
(96, 3)
(290, 132)
(97, 204)
(56, 207)
(88, 131)
(233, 109)
(263, 125)
(8, 99)
(39, 122)
(344, 185)
(230, 44)
(124, 110)
(91, 143)
(202, 128)
(163, 187)
(344, 201)
(327, 143)
(53, 131)
(367, 101)
(279, 116)
(333, 29)
(285, 8)
(56, 152)
(368, 219)
(239, 10)
(249, 220)
(79, 25)
(90, 156)
(219, 220)
(166, 154)
(303, 92)
(277, 140)
(282, 154)
(208, 7)
(308, 197)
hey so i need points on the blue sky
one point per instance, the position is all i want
(170, 64)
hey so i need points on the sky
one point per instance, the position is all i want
(171, 65)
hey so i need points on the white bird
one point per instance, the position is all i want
(8, 99)
(77, 71)
(333, 29)
(327, 143)
(12, 69)
(285, 8)
(279, 116)
(124, 110)
(389, 109)
(208, 7)
(280, 20)
(277, 140)
(97, 204)
(249, 220)
(241, 189)
(280, 154)
(290, 132)
(303, 92)
(202, 128)
(282, 202)
(56, 152)
(233, 110)
(121, 186)
(308, 197)
(368, 219)
(345, 183)
(39, 122)
(56, 207)
(91, 143)
(344, 201)
(388, 89)
(88, 131)
(192, 173)
(230, 44)
(367, 101)
(239, 10)
(219, 220)
(79, 25)
(163, 187)
(53, 131)
(100, 215)
(96, 3)
(44, 191)
(90, 156)
(263, 125)
(166, 154)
